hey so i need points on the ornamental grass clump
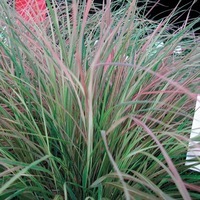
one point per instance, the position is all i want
(93, 107)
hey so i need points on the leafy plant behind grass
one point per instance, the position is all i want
(91, 109)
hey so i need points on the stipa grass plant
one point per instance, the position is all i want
(92, 108)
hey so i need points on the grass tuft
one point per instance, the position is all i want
(96, 106)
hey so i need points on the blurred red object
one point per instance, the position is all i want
(32, 10)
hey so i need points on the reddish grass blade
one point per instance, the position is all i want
(177, 179)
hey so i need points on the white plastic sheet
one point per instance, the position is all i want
(194, 144)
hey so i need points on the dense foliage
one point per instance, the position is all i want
(96, 106)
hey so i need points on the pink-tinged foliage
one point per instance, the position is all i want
(113, 117)
(176, 177)
(192, 187)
